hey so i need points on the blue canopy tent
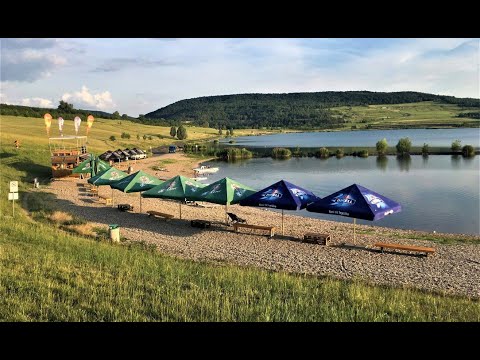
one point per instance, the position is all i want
(281, 195)
(357, 202)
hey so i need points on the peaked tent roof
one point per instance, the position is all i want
(107, 177)
(83, 168)
(281, 195)
(102, 165)
(358, 202)
(176, 188)
(138, 181)
(224, 191)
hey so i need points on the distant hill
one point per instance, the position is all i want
(294, 110)
(30, 111)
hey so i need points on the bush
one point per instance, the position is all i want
(323, 153)
(404, 145)
(363, 153)
(281, 153)
(339, 153)
(425, 149)
(456, 145)
(297, 152)
(125, 135)
(468, 151)
(112, 138)
(182, 133)
(144, 137)
(382, 147)
(235, 154)
(173, 131)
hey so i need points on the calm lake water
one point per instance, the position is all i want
(433, 137)
(438, 193)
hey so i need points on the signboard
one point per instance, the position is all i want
(12, 196)
(14, 186)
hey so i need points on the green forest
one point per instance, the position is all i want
(293, 111)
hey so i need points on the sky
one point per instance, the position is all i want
(135, 76)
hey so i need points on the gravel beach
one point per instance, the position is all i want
(453, 269)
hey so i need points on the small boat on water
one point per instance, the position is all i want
(205, 170)
(200, 178)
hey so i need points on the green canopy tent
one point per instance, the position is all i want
(224, 191)
(101, 165)
(177, 188)
(85, 167)
(107, 177)
(136, 182)
(92, 165)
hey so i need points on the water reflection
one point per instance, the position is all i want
(382, 162)
(455, 161)
(425, 160)
(404, 162)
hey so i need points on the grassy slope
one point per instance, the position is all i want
(47, 274)
(423, 114)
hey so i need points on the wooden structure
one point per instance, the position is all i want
(426, 250)
(270, 229)
(157, 213)
(67, 152)
(316, 238)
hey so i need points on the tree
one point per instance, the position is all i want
(125, 116)
(138, 136)
(182, 133)
(382, 147)
(173, 131)
(116, 115)
(425, 149)
(231, 132)
(65, 107)
(468, 151)
(144, 137)
(220, 132)
(404, 145)
(456, 145)
(227, 133)
(112, 138)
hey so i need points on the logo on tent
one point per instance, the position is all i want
(238, 190)
(114, 175)
(272, 194)
(216, 189)
(343, 200)
(375, 200)
(144, 180)
(299, 193)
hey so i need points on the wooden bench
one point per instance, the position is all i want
(108, 201)
(316, 238)
(92, 192)
(156, 213)
(426, 250)
(271, 229)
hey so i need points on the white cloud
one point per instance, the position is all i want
(84, 99)
(37, 102)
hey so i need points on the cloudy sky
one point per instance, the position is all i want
(136, 76)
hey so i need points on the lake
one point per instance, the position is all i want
(438, 193)
(433, 137)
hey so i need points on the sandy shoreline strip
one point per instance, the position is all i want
(453, 269)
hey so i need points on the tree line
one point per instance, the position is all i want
(295, 110)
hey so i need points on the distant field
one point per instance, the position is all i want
(423, 114)
(32, 130)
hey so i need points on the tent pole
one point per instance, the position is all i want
(226, 216)
(354, 222)
(283, 232)
(140, 193)
(113, 204)
(180, 203)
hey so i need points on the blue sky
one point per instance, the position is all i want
(136, 76)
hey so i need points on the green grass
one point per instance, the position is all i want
(49, 274)
(422, 114)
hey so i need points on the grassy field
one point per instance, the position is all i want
(423, 114)
(48, 272)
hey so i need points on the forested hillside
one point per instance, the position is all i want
(295, 110)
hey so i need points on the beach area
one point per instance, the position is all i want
(454, 268)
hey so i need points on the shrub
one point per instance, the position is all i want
(382, 147)
(182, 133)
(456, 145)
(112, 138)
(425, 149)
(363, 153)
(323, 153)
(404, 145)
(173, 131)
(339, 153)
(125, 135)
(281, 153)
(468, 151)
(297, 152)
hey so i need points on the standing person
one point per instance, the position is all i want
(17, 144)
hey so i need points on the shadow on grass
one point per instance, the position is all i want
(6, 155)
(32, 170)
